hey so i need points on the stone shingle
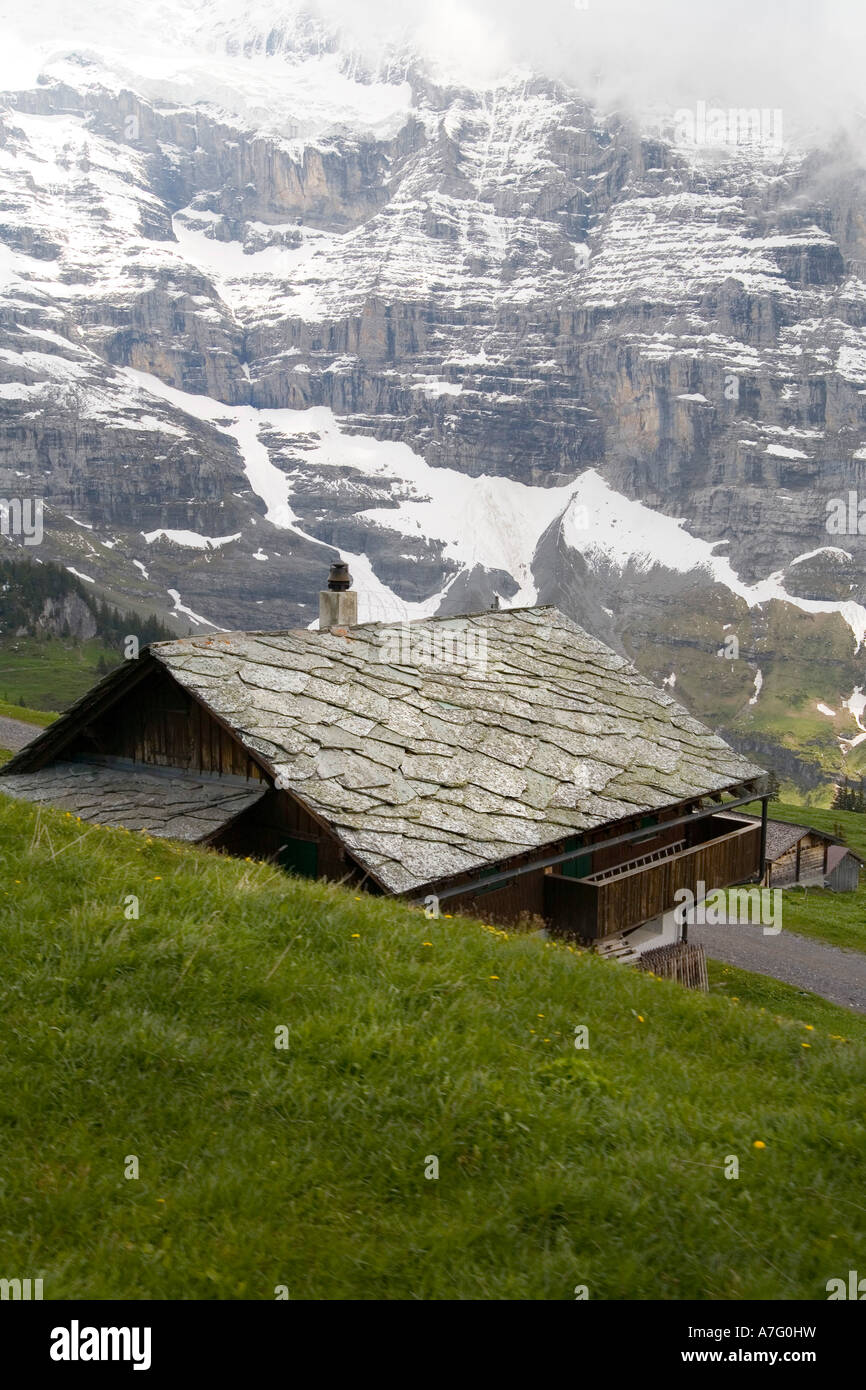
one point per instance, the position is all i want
(178, 806)
(431, 769)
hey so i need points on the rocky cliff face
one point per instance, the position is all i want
(489, 344)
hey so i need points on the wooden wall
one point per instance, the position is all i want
(278, 820)
(530, 893)
(845, 878)
(805, 860)
(590, 910)
(607, 858)
(505, 904)
(160, 724)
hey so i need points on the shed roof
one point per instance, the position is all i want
(835, 855)
(784, 835)
(178, 806)
(429, 762)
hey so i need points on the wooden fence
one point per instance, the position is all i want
(682, 960)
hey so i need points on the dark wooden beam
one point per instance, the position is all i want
(473, 885)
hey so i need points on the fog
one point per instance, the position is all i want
(803, 56)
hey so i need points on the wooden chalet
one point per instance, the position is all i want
(546, 778)
(801, 854)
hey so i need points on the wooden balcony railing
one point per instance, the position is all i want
(581, 907)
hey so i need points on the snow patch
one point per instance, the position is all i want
(181, 609)
(607, 528)
(491, 522)
(782, 452)
(190, 538)
(823, 550)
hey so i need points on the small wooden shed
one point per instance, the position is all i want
(843, 869)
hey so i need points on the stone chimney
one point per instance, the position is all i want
(338, 604)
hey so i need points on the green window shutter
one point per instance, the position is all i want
(578, 867)
(299, 857)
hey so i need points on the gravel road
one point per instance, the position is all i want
(14, 733)
(837, 975)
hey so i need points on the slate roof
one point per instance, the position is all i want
(426, 770)
(177, 807)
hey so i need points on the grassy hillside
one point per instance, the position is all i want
(50, 673)
(780, 724)
(408, 1039)
(57, 635)
(40, 717)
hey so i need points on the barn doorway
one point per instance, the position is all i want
(298, 856)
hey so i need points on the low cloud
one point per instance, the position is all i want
(803, 56)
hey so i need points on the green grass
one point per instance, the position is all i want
(27, 716)
(49, 673)
(305, 1167)
(785, 1002)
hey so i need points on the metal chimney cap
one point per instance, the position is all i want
(339, 577)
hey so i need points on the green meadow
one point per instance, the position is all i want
(327, 1093)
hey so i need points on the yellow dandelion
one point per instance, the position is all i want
(759, 1144)
(810, 1027)
(493, 977)
(426, 943)
(355, 934)
(805, 1044)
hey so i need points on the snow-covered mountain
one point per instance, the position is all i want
(264, 295)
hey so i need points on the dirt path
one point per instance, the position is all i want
(14, 733)
(837, 975)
